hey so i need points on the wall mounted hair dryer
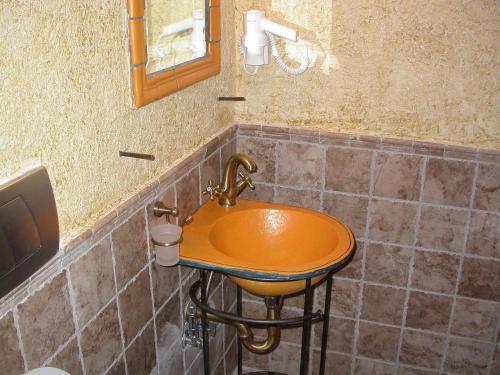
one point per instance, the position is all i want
(259, 37)
(197, 41)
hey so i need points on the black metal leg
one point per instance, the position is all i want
(306, 329)
(204, 324)
(239, 311)
(326, 322)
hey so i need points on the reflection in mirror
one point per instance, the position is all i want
(175, 32)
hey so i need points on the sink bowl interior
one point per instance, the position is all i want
(268, 249)
(274, 237)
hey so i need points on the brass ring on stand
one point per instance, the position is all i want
(166, 244)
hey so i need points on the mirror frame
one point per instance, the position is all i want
(148, 88)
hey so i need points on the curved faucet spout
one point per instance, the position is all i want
(241, 159)
(231, 188)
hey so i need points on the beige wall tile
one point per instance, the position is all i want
(475, 319)
(141, 355)
(68, 359)
(231, 357)
(337, 364)
(483, 236)
(467, 357)
(171, 363)
(256, 361)
(46, 321)
(135, 306)
(263, 152)
(130, 248)
(344, 300)
(93, 281)
(436, 272)
(340, 335)
(227, 151)
(413, 371)
(188, 194)
(351, 210)
(422, 349)
(430, 312)
(168, 324)
(300, 165)
(365, 366)
(488, 188)
(353, 269)
(285, 359)
(348, 170)
(387, 264)
(300, 198)
(117, 369)
(383, 304)
(101, 341)
(379, 342)
(262, 192)
(480, 279)
(442, 229)
(210, 169)
(165, 282)
(397, 176)
(495, 369)
(392, 222)
(448, 182)
(12, 361)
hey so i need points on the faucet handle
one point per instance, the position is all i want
(212, 190)
(247, 179)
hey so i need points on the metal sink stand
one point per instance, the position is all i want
(307, 319)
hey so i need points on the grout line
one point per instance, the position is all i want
(151, 287)
(416, 229)
(200, 353)
(72, 300)
(200, 200)
(380, 198)
(412, 329)
(15, 315)
(122, 335)
(323, 180)
(438, 251)
(460, 268)
(386, 151)
(181, 313)
(139, 334)
(60, 349)
(223, 301)
(277, 153)
(363, 263)
(492, 358)
(118, 359)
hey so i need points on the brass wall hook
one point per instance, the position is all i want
(160, 209)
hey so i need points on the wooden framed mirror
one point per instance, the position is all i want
(173, 44)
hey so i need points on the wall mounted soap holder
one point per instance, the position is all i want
(160, 209)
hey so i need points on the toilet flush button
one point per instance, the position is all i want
(47, 371)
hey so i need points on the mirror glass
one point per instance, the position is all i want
(175, 32)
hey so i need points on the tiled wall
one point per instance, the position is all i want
(104, 306)
(422, 295)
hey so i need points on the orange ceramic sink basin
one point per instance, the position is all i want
(267, 249)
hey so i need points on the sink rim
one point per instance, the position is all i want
(205, 220)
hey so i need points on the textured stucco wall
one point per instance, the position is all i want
(66, 103)
(413, 69)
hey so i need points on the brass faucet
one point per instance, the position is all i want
(232, 188)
